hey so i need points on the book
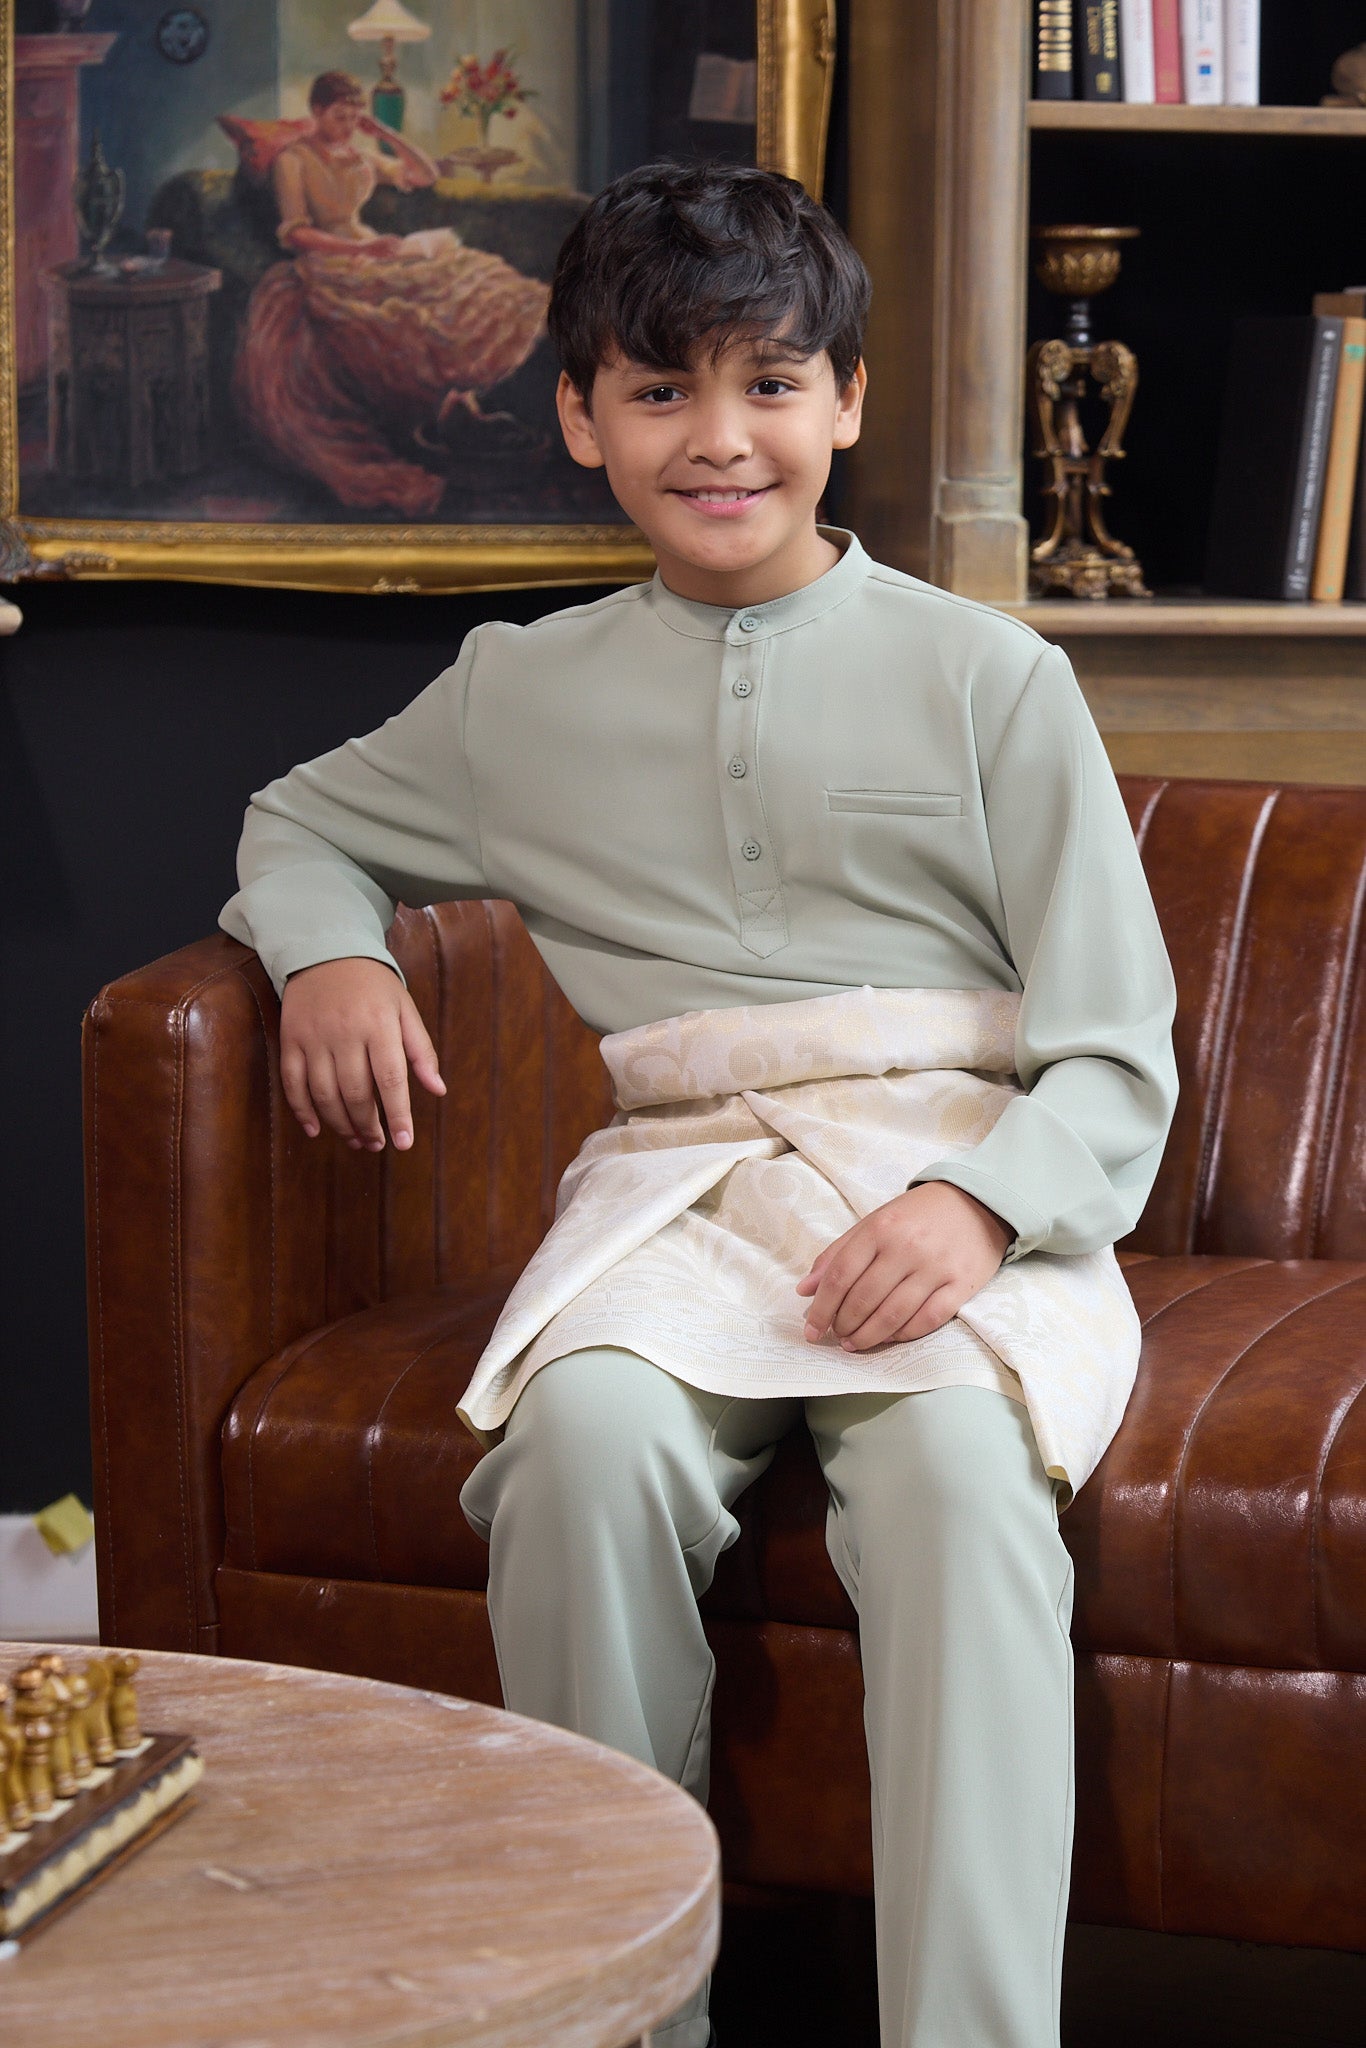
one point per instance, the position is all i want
(1268, 485)
(1202, 52)
(1351, 305)
(1167, 52)
(1136, 53)
(1340, 470)
(1053, 50)
(1101, 70)
(1242, 52)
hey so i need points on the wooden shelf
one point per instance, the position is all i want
(1101, 116)
(1225, 618)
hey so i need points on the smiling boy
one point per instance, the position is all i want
(837, 862)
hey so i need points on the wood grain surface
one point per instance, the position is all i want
(371, 1864)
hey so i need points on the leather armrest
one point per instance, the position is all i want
(206, 1217)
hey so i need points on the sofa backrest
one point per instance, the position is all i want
(1261, 893)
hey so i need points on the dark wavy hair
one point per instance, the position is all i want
(330, 86)
(672, 258)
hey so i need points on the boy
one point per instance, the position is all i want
(828, 853)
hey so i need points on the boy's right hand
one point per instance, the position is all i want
(349, 1028)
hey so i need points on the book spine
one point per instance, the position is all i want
(1053, 50)
(1202, 52)
(1340, 475)
(1356, 553)
(1242, 52)
(1306, 500)
(1137, 52)
(1098, 22)
(1167, 52)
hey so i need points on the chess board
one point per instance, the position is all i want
(81, 1787)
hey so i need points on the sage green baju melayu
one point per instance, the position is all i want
(866, 784)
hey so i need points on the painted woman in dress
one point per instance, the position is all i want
(361, 338)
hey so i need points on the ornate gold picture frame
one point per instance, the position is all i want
(117, 354)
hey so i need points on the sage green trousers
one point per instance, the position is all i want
(606, 1506)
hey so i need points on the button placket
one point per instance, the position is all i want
(758, 885)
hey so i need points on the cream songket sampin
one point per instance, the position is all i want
(745, 1141)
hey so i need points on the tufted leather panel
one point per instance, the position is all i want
(1226, 1522)
(1261, 895)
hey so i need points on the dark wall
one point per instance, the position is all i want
(135, 720)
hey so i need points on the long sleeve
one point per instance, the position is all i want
(1071, 1162)
(329, 849)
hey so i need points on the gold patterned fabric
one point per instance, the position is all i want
(745, 1141)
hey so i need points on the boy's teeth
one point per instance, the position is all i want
(719, 497)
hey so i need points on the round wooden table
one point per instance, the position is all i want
(367, 1864)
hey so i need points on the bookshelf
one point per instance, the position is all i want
(1094, 116)
(1241, 210)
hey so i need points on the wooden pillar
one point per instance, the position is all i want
(937, 196)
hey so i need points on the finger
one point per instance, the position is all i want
(294, 1082)
(419, 1049)
(812, 1280)
(889, 1321)
(938, 1308)
(865, 1296)
(389, 1069)
(356, 1085)
(323, 1087)
(841, 1273)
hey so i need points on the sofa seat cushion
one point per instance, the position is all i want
(1226, 1523)
(343, 1457)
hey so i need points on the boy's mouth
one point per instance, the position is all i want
(724, 503)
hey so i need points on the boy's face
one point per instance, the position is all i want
(720, 466)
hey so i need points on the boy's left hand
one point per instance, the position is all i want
(905, 1269)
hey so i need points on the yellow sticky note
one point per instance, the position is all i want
(66, 1527)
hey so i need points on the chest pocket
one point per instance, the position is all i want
(902, 803)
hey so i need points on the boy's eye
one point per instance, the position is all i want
(771, 387)
(661, 394)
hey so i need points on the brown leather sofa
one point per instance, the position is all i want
(280, 1330)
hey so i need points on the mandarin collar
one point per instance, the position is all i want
(745, 624)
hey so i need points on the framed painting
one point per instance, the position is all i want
(273, 306)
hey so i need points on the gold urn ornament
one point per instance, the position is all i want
(1078, 556)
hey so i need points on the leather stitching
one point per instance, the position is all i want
(1333, 1080)
(178, 1311)
(372, 1438)
(1162, 1797)
(272, 1092)
(286, 1366)
(1316, 1521)
(1218, 1091)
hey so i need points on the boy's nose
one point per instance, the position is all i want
(718, 435)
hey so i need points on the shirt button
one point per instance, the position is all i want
(737, 767)
(741, 687)
(751, 849)
(749, 624)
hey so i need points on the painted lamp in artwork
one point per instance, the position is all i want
(388, 23)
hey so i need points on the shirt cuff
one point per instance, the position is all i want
(1028, 1223)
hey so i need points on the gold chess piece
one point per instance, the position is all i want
(12, 1768)
(123, 1702)
(100, 1734)
(30, 1689)
(81, 1762)
(57, 1698)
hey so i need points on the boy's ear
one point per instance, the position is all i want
(849, 407)
(576, 424)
